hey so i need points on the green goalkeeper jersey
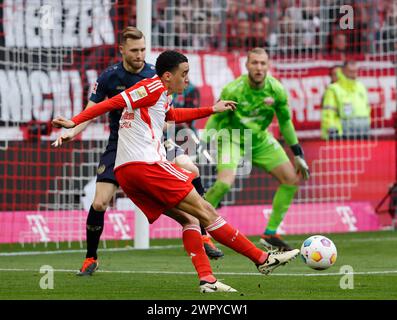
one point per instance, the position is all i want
(256, 109)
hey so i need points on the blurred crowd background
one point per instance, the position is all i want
(286, 27)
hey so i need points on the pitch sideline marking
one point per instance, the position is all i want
(33, 253)
(217, 273)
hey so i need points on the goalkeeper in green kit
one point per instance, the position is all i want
(259, 97)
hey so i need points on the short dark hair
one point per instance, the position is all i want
(169, 60)
(130, 33)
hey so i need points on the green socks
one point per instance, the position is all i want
(215, 194)
(281, 202)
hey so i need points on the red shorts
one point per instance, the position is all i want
(154, 188)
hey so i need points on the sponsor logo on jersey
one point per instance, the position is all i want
(120, 88)
(138, 94)
(128, 116)
(125, 124)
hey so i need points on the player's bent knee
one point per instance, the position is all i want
(289, 177)
(100, 205)
(211, 211)
(292, 180)
(182, 217)
(204, 215)
(196, 206)
(227, 176)
(188, 220)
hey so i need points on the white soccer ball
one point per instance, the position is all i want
(318, 252)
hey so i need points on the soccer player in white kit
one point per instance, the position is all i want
(158, 186)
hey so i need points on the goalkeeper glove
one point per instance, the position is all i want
(300, 163)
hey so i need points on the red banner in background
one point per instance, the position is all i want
(305, 83)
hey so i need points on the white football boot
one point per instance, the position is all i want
(277, 259)
(217, 286)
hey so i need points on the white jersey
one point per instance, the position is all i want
(146, 108)
(141, 126)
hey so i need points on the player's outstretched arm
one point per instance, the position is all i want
(117, 102)
(62, 122)
(180, 115)
(72, 133)
(224, 105)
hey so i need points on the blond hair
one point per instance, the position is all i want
(256, 50)
(130, 33)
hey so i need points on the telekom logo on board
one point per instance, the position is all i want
(347, 217)
(119, 225)
(38, 225)
(312, 218)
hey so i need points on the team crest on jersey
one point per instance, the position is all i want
(101, 169)
(268, 101)
(138, 94)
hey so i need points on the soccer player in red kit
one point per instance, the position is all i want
(157, 186)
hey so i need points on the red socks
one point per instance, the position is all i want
(193, 244)
(224, 233)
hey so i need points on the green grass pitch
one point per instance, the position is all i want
(165, 272)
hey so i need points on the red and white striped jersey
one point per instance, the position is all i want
(141, 126)
(146, 108)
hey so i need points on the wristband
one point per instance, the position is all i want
(297, 150)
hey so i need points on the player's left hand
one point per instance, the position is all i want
(302, 167)
(62, 122)
(224, 105)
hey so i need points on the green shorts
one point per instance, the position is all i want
(267, 154)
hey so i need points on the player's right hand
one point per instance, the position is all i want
(302, 167)
(67, 136)
(62, 122)
(224, 105)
